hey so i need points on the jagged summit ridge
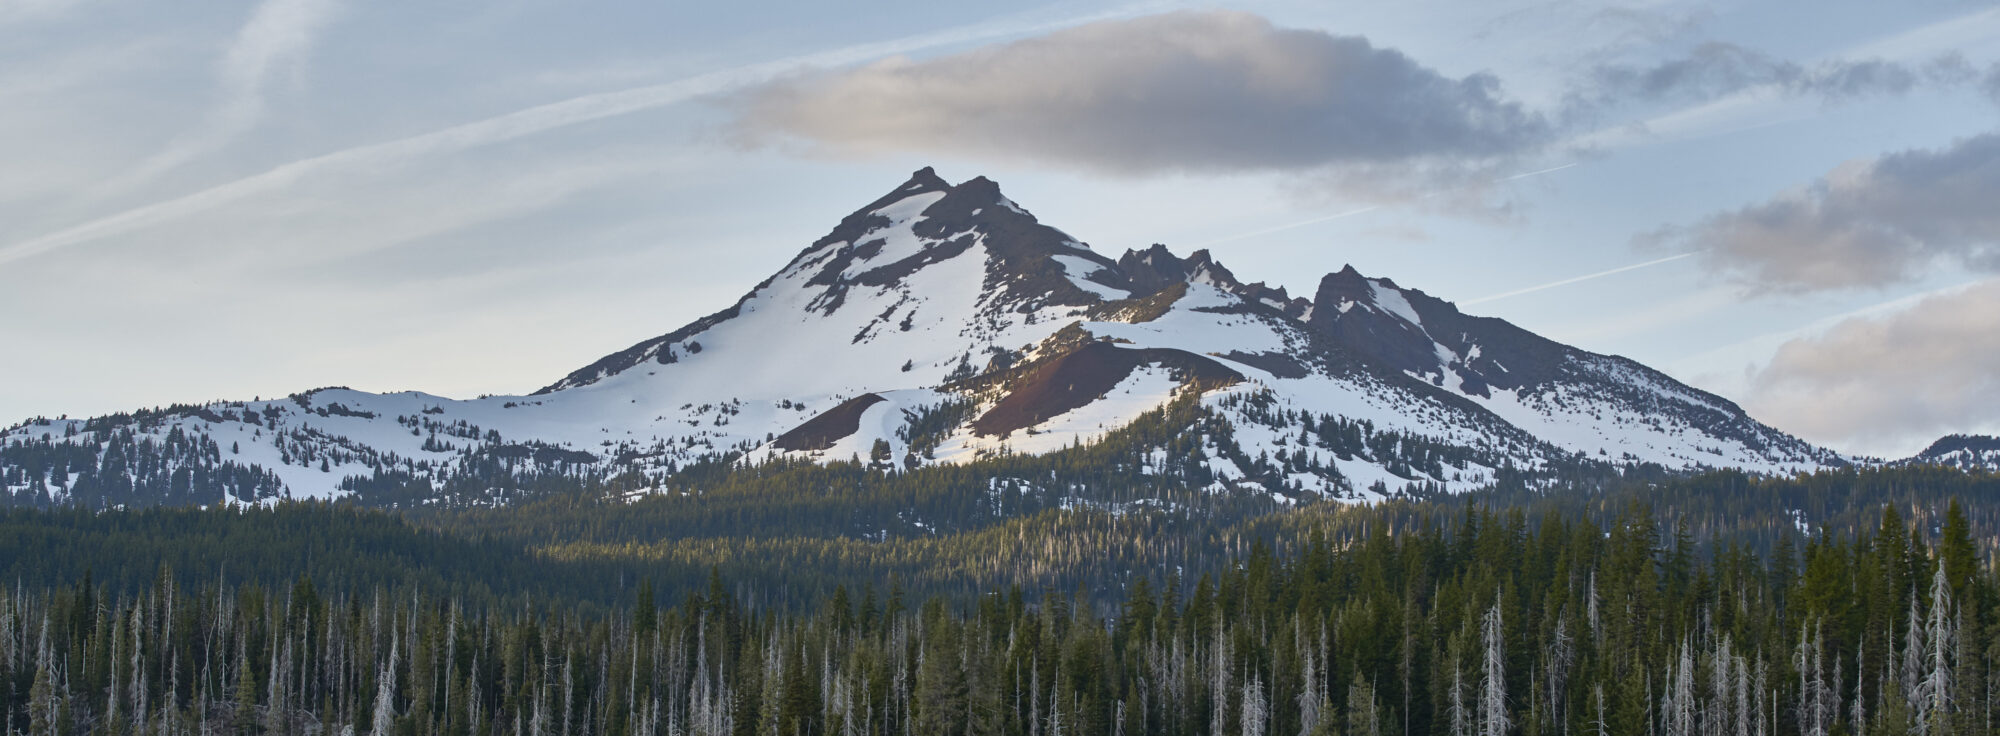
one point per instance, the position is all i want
(945, 324)
(1550, 389)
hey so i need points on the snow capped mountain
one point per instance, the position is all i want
(944, 324)
(1962, 451)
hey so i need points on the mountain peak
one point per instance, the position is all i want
(925, 179)
(971, 203)
(1150, 270)
(1339, 291)
(922, 181)
(1349, 278)
(1202, 262)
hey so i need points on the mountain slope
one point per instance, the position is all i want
(945, 325)
(1962, 451)
(1599, 404)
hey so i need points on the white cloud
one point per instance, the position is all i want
(1867, 223)
(1179, 92)
(1890, 383)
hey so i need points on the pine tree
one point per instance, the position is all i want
(1808, 662)
(1718, 718)
(385, 692)
(1914, 651)
(1312, 698)
(1458, 715)
(42, 698)
(1494, 719)
(1679, 708)
(245, 719)
(1218, 686)
(799, 703)
(1254, 717)
(1957, 556)
(1939, 691)
(1556, 668)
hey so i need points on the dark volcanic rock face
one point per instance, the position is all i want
(1403, 329)
(1084, 375)
(1155, 269)
(832, 425)
(1024, 268)
(1149, 271)
(854, 228)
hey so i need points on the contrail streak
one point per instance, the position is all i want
(1295, 225)
(518, 124)
(279, 33)
(1568, 281)
(1359, 211)
(1539, 173)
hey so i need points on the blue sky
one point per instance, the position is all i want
(1782, 202)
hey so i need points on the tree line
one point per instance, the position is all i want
(1476, 623)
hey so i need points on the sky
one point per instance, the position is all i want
(1785, 203)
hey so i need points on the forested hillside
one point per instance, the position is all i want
(1468, 622)
(788, 538)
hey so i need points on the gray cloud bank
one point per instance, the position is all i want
(1868, 223)
(1895, 381)
(1717, 68)
(1221, 92)
(1181, 92)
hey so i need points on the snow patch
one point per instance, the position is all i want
(1393, 302)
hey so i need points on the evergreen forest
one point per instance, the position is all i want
(1850, 602)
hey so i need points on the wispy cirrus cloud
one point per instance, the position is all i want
(277, 38)
(506, 127)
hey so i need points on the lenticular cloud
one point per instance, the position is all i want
(1198, 92)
